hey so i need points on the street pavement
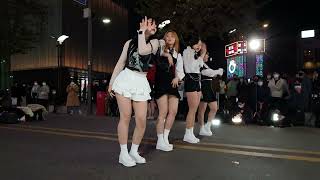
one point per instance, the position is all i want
(66, 147)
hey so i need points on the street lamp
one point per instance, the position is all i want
(232, 31)
(265, 25)
(257, 45)
(106, 20)
(62, 38)
(164, 23)
(88, 14)
(254, 44)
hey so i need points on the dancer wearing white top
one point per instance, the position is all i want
(193, 61)
(208, 97)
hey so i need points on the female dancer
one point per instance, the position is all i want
(132, 90)
(208, 97)
(168, 74)
(193, 61)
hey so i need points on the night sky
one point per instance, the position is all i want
(286, 18)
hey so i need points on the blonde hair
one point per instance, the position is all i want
(176, 43)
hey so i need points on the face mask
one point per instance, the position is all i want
(260, 83)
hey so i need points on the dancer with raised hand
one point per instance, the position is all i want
(131, 88)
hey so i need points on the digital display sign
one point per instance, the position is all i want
(236, 48)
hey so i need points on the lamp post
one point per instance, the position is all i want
(89, 109)
(88, 15)
(60, 41)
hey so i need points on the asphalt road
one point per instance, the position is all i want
(85, 148)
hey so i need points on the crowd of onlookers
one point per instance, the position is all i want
(292, 95)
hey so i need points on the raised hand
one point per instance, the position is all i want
(203, 48)
(152, 26)
(144, 24)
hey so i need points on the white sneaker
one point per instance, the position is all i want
(23, 119)
(161, 145)
(190, 139)
(126, 160)
(137, 158)
(197, 139)
(168, 144)
(205, 132)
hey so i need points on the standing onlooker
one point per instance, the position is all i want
(243, 90)
(73, 102)
(232, 87)
(315, 82)
(306, 84)
(15, 95)
(222, 93)
(263, 96)
(43, 97)
(232, 92)
(278, 88)
(35, 92)
(316, 97)
(23, 90)
(269, 77)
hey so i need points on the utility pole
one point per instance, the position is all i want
(90, 61)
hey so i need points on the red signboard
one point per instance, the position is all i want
(236, 48)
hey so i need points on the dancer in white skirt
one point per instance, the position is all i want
(208, 97)
(132, 90)
(193, 60)
(169, 72)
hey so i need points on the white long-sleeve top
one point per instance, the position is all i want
(210, 72)
(143, 49)
(190, 64)
(179, 67)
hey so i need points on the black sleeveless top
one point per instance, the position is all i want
(163, 64)
(137, 62)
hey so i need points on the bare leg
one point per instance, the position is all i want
(163, 111)
(201, 111)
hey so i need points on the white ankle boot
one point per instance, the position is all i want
(190, 137)
(126, 160)
(135, 155)
(204, 131)
(137, 158)
(166, 141)
(166, 138)
(162, 145)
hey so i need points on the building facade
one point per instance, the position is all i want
(309, 52)
(65, 17)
